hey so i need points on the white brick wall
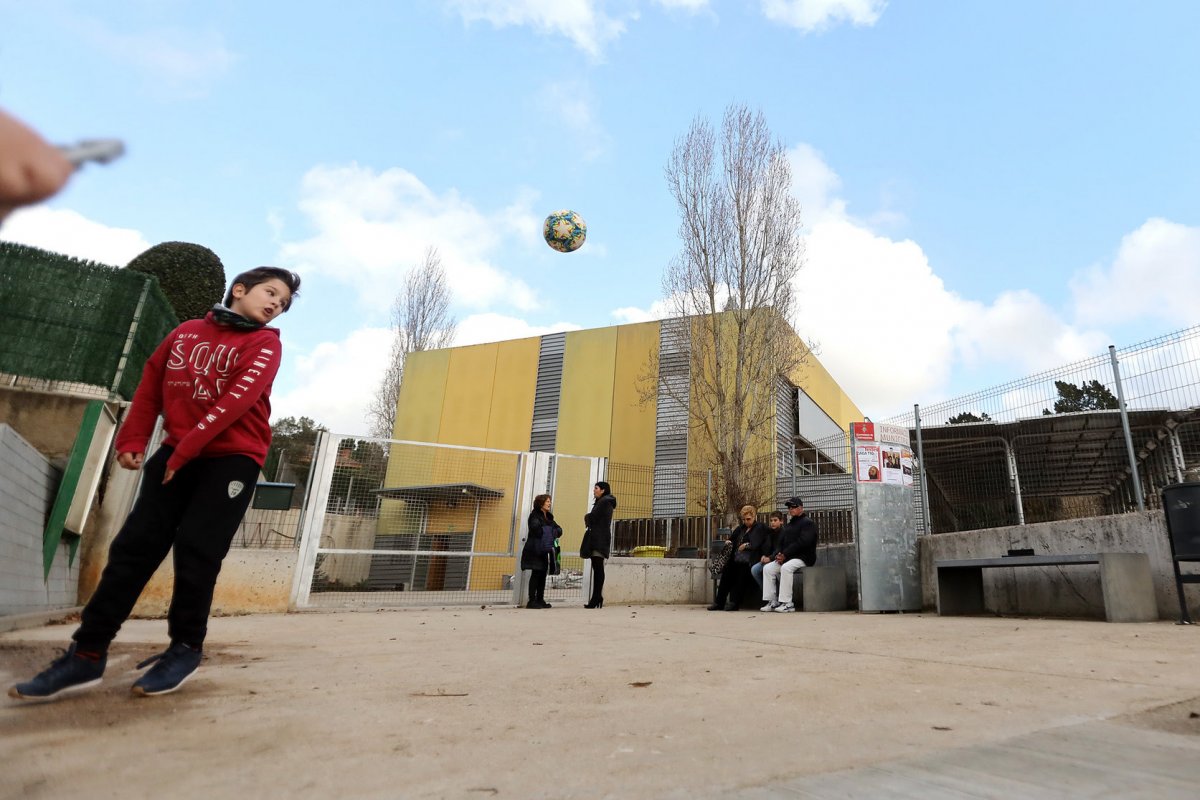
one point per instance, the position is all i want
(27, 486)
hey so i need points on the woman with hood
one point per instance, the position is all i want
(539, 549)
(597, 537)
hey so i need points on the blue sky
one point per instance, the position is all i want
(990, 189)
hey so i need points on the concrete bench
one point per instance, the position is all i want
(1125, 581)
(820, 588)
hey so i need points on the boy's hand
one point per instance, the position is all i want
(130, 460)
(170, 473)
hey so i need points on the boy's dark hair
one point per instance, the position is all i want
(776, 515)
(253, 277)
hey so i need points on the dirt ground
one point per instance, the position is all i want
(624, 702)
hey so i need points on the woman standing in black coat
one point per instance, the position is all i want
(597, 538)
(539, 549)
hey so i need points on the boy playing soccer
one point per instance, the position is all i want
(211, 381)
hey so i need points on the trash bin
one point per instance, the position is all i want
(688, 552)
(273, 496)
(1181, 504)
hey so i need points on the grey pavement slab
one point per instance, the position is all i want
(622, 702)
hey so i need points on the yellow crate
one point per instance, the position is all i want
(649, 551)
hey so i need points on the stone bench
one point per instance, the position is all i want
(1125, 581)
(820, 588)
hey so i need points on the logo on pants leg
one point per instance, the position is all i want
(235, 488)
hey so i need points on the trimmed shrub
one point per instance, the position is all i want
(191, 276)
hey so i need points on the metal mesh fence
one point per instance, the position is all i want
(67, 322)
(268, 529)
(636, 526)
(1052, 446)
(405, 523)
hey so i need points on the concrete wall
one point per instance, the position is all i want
(251, 582)
(686, 580)
(28, 483)
(1059, 591)
(48, 422)
(657, 580)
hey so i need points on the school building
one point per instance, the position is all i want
(603, 392)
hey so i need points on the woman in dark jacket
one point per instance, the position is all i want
(539, 549)
(597, 537)
(751, 540)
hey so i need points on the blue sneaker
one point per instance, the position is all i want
(67, 673)
(174, 666)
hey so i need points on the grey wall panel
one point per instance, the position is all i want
(543, 433)
(671, 421)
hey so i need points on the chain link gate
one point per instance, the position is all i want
(393, 523)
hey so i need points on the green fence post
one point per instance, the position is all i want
(68, 486)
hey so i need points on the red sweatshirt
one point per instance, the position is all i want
(212, 384)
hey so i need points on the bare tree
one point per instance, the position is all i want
(421, 321)
(731, 288)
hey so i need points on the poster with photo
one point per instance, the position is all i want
(867, 459)
(906, 466)
(893, 471)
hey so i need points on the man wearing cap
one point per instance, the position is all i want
(797, 548)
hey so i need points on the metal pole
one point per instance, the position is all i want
(793, 460)
(708, 511)
(1015, 479)
(1135, 479)
(133, 329)
(927, 517)
(1176, 455)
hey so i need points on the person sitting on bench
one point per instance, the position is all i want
(797, 549)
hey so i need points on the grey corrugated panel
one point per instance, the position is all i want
(826, 491)
(670, 439)
(543, 434)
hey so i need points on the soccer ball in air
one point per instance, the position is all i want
(565, 231)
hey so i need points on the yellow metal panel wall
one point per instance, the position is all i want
(419, 406)
(511, 413)
(468, 395)
(633, 421)
(418, 417)
(585, 411)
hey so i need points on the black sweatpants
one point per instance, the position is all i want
(198, 513)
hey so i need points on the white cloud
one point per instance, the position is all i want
(889, 330)
(814, 184)
(371, 228)
(816, 15)
(334, 383)
(582, 21)
(1156, 274)
(572, 102)
(691, 6)
(480, 328)
(180, 62)
(1018, 328)
(61, 230)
